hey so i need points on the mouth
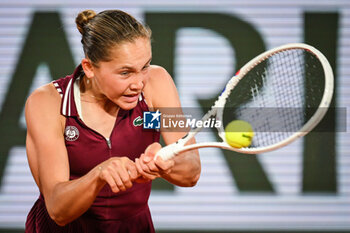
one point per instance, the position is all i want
(131, 98)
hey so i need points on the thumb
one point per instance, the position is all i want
(151, 151)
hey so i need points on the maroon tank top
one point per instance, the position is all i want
(87, 148)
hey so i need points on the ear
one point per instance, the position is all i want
(88, 68)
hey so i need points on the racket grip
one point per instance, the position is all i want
(168, 151)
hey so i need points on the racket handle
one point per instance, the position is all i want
(168, 151)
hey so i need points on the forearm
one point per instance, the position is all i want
(186, 170)
(68, 200)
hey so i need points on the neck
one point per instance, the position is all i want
(90, 95)
(100, 101)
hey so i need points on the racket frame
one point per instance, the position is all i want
(217, 109)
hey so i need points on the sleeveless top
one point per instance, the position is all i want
(87, 148)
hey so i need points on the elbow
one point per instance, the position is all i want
(60, 223)
(184, 181)
(193, 180)
(57, 218)
(189, 182)
(187, 173)
(196, 175)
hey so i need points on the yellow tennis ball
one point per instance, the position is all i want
(239, 134)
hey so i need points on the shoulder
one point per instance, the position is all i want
(159, 77)
(44, 95)
(43, 103)
(158, 71)
(160, 89)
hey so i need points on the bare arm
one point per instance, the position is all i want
(47, 155)
(184, 169)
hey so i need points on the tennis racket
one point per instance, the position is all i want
(283, 93)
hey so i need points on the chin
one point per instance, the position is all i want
(128, 106)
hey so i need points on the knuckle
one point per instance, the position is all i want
(119, 183)
(124, 179)
(103, 174)
(124, 159)
(133, 175)
(115, 163)
(143, 173)
(128, 185)
(115, 189)
(146, 168)
(152, 167)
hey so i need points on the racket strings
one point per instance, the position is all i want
(291, 79)
(274, 94)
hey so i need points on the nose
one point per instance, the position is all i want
(137, 82)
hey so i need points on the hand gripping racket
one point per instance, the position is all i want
(283, 93)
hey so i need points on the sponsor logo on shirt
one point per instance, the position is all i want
(71, 133)
(138, 121)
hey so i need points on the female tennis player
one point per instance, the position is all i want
(88, 153)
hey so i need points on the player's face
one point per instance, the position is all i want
(123, 78)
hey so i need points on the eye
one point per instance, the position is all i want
(124, 73)
(146, 67)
